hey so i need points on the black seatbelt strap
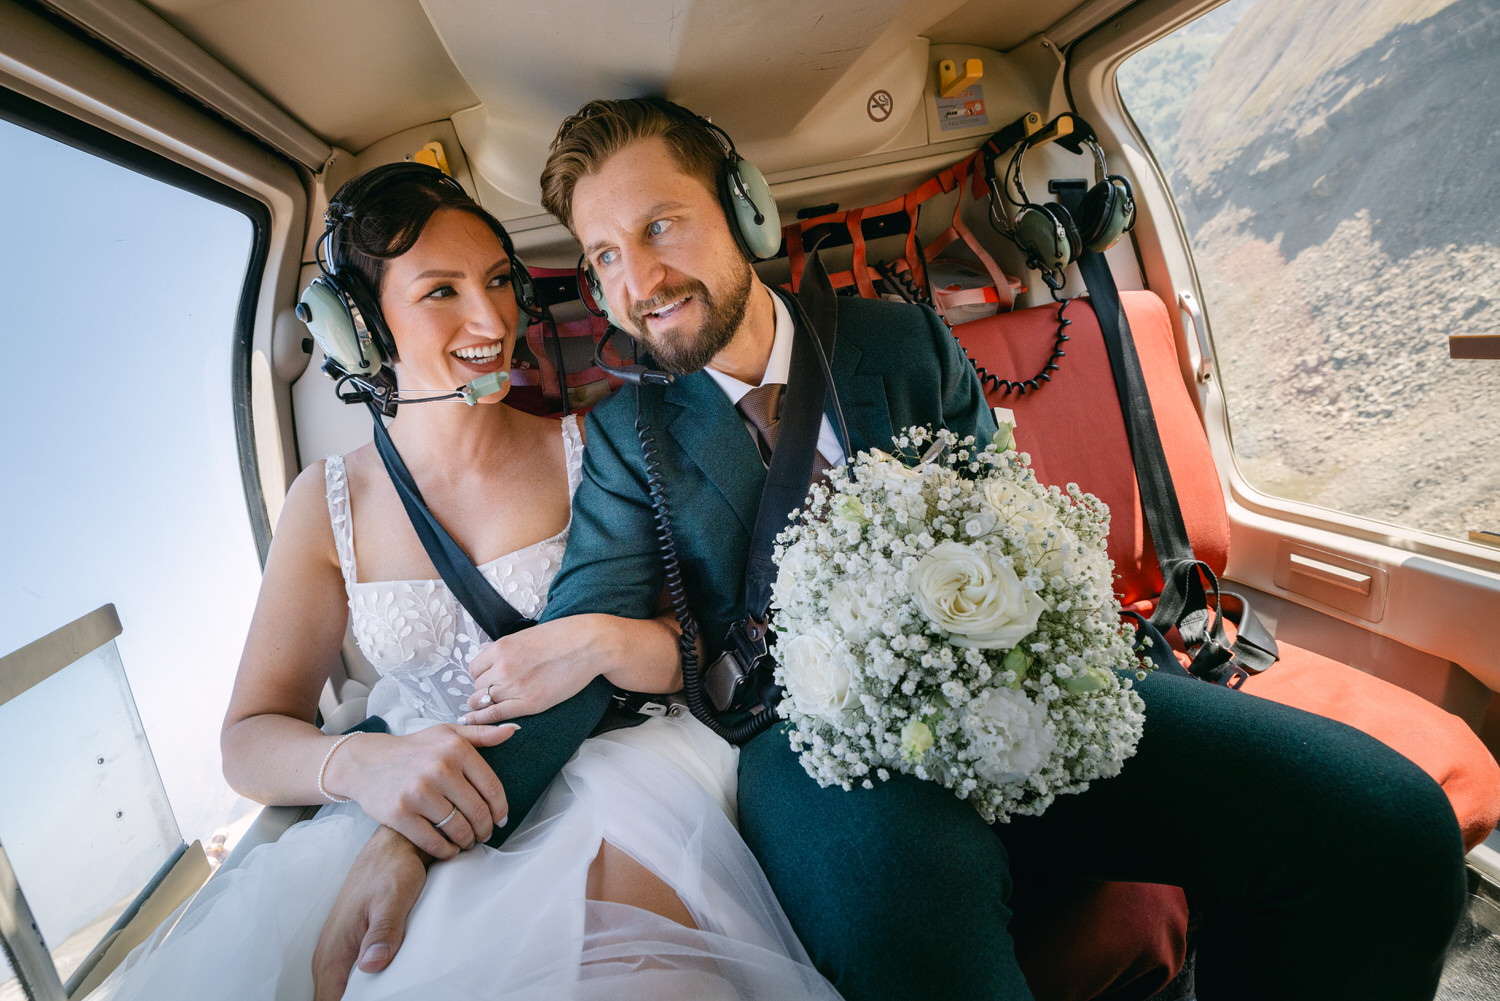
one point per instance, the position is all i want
(742, 680)
(791, 465)
(496, 616)
(1185, 600)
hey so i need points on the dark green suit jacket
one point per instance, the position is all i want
(893, 365)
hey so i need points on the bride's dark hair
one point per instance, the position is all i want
(380, 215)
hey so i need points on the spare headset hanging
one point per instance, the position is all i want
(1047, 233)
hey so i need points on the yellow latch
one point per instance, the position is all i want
(432, 154)
(950, 84)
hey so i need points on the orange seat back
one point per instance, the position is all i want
(1073, 429)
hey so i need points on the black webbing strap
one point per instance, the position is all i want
(1184, 602)
(496, 616)
(796, 437)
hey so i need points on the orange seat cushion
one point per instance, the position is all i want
(1077, 941)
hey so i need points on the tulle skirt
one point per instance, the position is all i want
(515, 923)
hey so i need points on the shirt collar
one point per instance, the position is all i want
(780, 364)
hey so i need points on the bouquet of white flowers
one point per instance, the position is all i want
(954, 620)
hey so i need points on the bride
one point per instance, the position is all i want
(627, 879)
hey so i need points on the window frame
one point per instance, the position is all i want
(58, 80)
(1433, 578)
(1165, 252)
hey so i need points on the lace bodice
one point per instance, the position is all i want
(415, 632)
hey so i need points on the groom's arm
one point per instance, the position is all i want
(612, 566)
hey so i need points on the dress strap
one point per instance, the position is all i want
(337, 484)
(573, 451)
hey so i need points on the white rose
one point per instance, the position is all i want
(967, 593)
(816, 674)
(1005, 495)
(854, 608)
(1048, 540)
(1011, 735)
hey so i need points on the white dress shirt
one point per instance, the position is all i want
(777, 370)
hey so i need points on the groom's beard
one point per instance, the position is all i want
(684, 352)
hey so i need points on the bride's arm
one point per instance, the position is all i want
(272, 751)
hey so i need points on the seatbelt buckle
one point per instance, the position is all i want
(742, 679)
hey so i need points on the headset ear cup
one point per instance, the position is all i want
(751, 209)
(367, 309)
(1046, 232)
(597, 292)
(1069, 229)
(1094, 213)
(1107, 211)
(1036, 234)
(325, 309)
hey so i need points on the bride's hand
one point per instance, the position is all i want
(432, 786)
(534, 669)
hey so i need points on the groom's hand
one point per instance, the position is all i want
(368, 920)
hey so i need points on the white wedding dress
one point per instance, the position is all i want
(512, 923)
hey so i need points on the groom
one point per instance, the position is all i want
(1276, 822)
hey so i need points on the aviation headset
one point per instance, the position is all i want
(744, 196)
(339, 307)
(1050, 236)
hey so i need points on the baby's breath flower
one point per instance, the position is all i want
(1006, 727)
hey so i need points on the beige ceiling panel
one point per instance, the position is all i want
(792, 81)
(353, 71)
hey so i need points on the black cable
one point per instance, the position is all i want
(555, 343)
(903, 283)
(687, 641)
(1007, 386)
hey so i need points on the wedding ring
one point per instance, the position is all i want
(451, 814)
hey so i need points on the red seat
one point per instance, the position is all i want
(1073, 430)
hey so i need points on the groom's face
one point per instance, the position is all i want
(658, 241)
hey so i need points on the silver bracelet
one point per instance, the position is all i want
(323, 769)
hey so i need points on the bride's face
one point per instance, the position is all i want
(449, 304)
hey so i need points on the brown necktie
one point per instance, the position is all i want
(762, 407)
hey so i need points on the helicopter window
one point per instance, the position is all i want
(122, 278)
(1333, 180)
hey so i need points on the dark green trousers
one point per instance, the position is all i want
(1325, 865)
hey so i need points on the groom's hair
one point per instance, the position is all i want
(601, 129)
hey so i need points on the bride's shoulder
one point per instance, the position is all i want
(550, 430)
(304, 524)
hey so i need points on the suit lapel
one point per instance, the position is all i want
(711, 435)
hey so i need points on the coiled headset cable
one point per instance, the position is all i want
(687, 639)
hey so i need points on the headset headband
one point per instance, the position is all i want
(346, 201)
